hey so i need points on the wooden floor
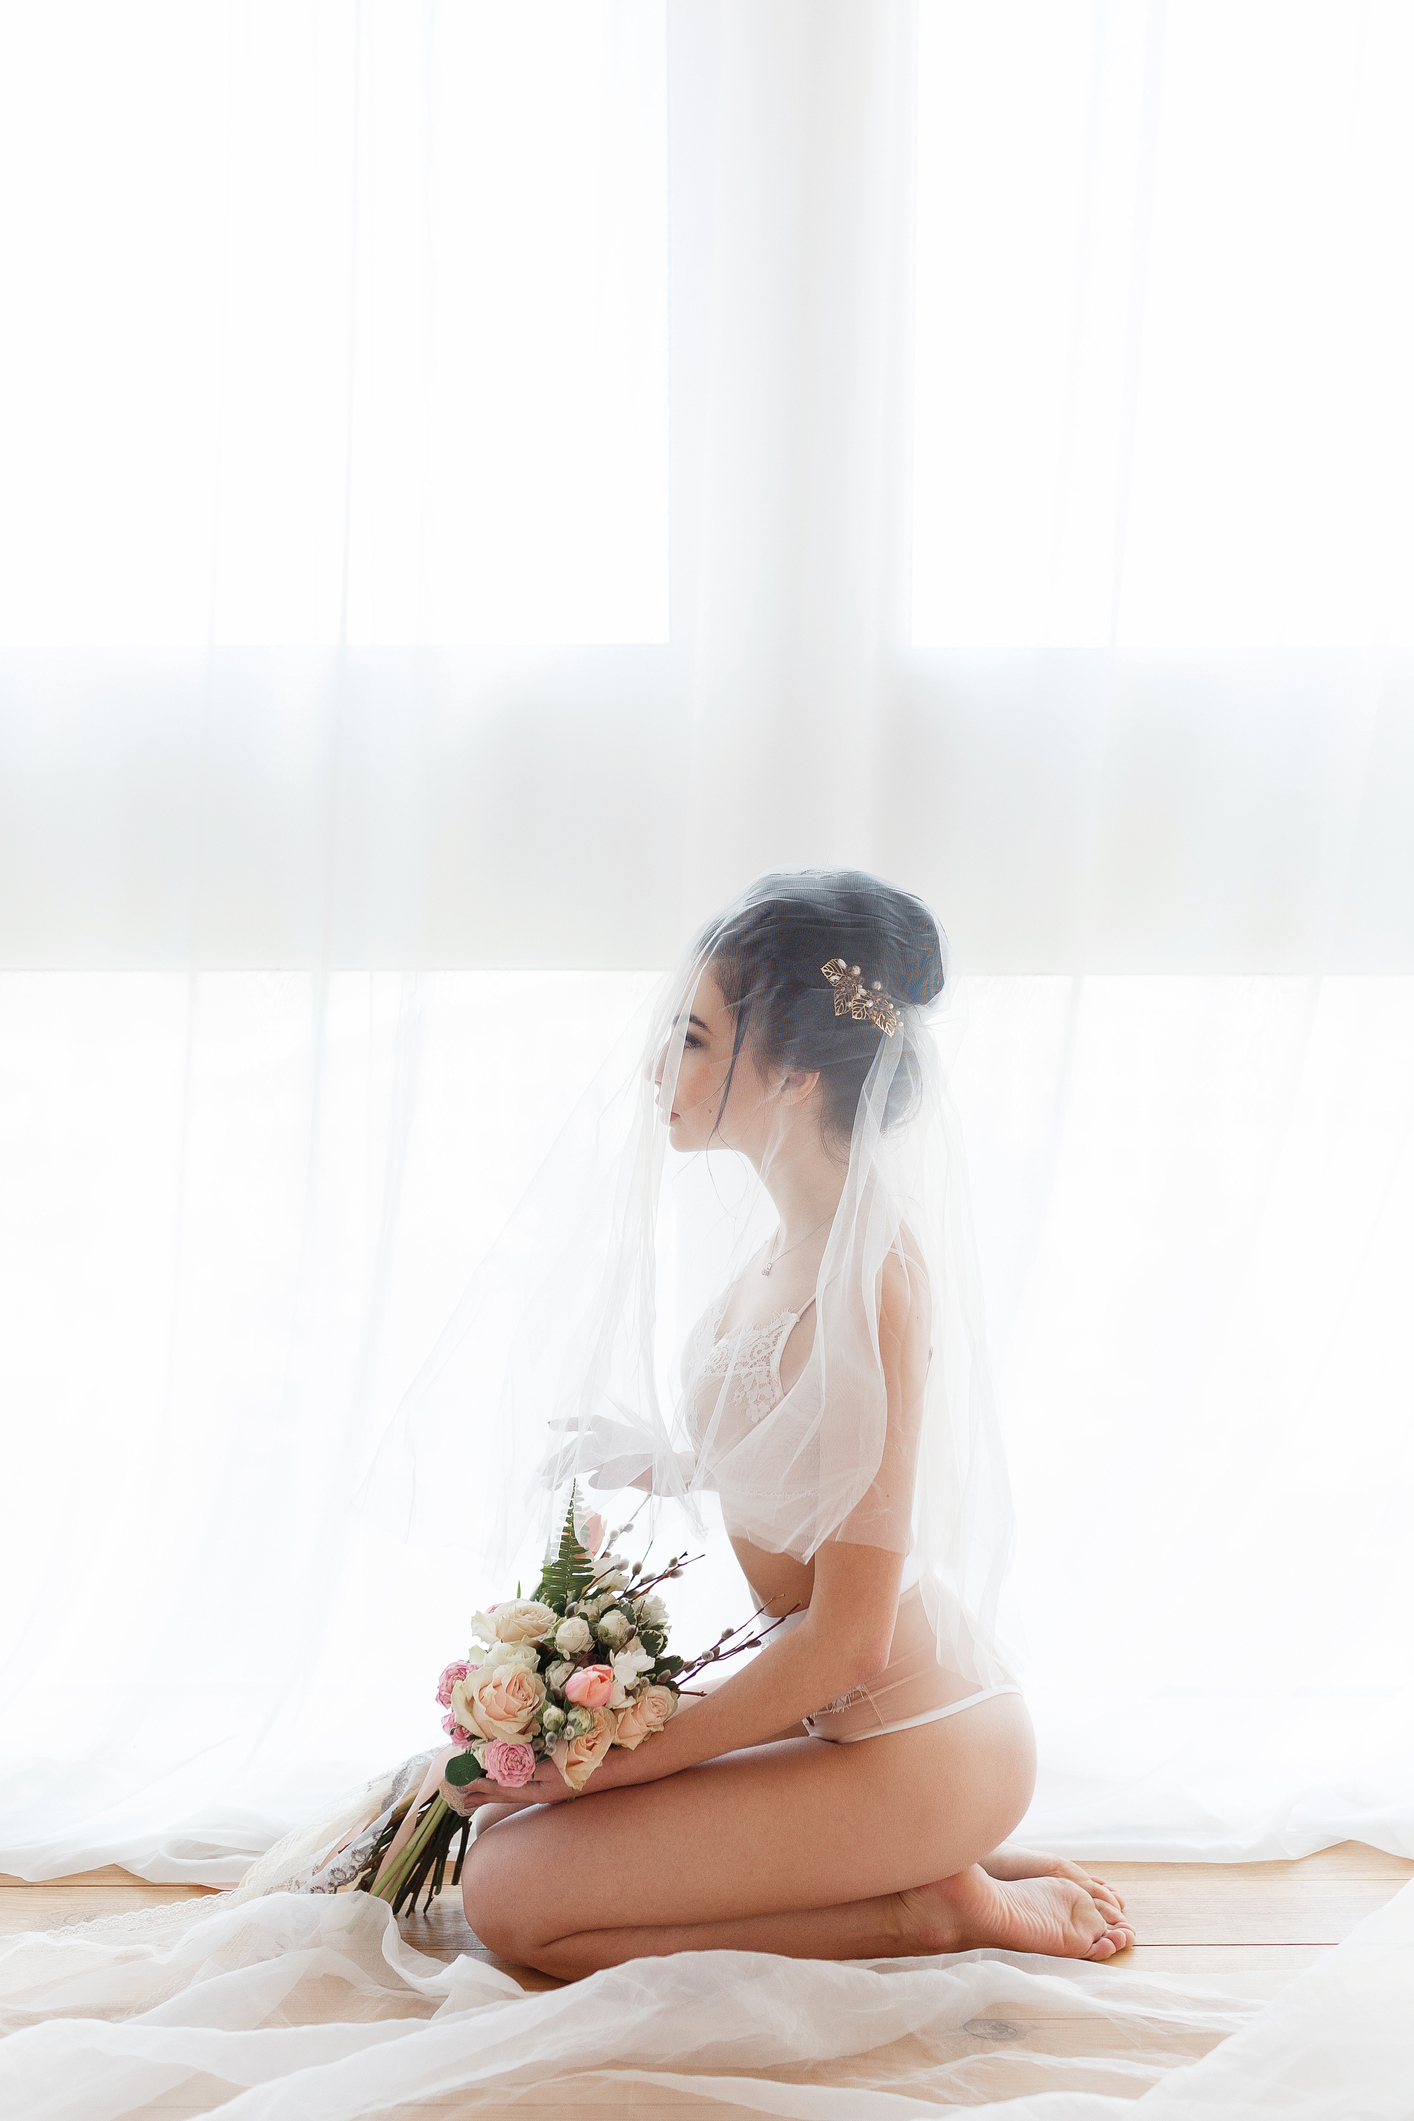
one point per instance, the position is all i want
(1245, 1927)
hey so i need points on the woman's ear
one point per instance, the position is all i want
(799, 1084)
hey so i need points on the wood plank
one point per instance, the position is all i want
(1214, 1962)
(110, 1874)
(1350, 1859)
(1291, 1910)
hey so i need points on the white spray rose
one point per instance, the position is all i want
(614, 1629)
(579, 1721)
(483, 1627)
(573, 1636)
(652, 1612)
(557, 1673)
(629, 1667)
(552, 1719)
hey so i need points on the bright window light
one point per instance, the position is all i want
(1165, 324)
(333, 319)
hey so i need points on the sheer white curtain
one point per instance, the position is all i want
(483, 482)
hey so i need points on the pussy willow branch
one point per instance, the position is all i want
(727, 1648)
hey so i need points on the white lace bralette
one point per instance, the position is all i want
(746, 1363)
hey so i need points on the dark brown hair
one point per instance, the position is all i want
(767, 951)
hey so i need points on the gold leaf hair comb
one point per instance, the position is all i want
(853, 998)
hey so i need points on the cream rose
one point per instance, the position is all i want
(499, 1701)
(523, 1654)
(647, 1714)
(572, 1636)
(577, 1757)
(614, 1629)
(523, 1620)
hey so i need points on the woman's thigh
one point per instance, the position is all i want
(777, 1828)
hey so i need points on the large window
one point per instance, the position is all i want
(1165, 324)
(339, 321)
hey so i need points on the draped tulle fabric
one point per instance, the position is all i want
(271, 2002)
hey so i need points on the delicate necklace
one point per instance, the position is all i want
(796, 1246)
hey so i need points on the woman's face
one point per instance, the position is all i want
(708, 1032)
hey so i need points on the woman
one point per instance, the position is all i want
(849, 1794)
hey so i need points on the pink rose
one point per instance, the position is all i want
(500, 1701)
(455, 1730)
(577, 1758)
(510, 1765)
(590, 1686)
(448, 1680)
(645, 1715)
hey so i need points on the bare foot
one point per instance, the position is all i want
(1012, 1863)
(1051, 1915)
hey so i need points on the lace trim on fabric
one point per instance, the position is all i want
(845, 1701)
(747, 1360)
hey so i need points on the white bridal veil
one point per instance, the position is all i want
(563, 1361)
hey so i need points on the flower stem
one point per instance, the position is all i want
(390, 1887)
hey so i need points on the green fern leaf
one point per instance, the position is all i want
(569, 1572)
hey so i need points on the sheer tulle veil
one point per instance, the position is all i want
(561, 1363)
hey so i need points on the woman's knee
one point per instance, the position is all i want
(496, 1896)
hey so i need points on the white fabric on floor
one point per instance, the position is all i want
(309, 2006)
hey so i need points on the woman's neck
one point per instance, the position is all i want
(805, 1187)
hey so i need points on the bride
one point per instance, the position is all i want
(849, 1793)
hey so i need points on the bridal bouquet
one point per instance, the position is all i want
(561, 1676)
(564, 1675)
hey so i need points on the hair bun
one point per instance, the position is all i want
(922, 969)
(769, 950)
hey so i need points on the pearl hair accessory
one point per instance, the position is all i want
(853, 998)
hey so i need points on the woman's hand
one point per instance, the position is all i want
(546, 1786)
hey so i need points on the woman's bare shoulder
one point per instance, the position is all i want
(905, 1298)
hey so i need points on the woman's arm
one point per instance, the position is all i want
(843, 1640)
